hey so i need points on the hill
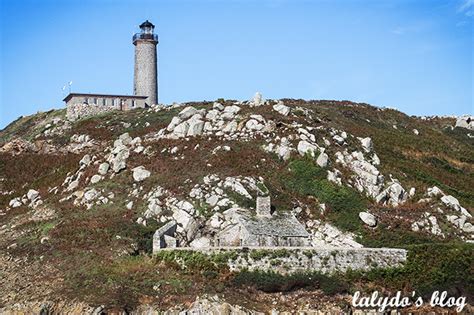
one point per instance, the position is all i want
(80, 201)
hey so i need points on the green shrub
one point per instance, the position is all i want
(309, 179)
(269, 281)
(144, 236)
(429, 267)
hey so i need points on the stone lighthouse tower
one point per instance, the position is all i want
(145, 81)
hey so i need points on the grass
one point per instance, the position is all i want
(270, 282)
(197, 261)
(344, 203)
(96, 266)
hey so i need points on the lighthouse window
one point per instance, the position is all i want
(133, 103)
(104, 102)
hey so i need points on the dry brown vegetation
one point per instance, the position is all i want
(88, 261)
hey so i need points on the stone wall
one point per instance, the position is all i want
(291, 259)
(76, 111)
(159, 237)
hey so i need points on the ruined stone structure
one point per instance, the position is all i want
(286, 260)
(163, 237)
(264, 229)
(264, 208)
(145, 88)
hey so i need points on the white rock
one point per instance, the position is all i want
(435, 229)
(393, 195)
(196, 127)
(322, 160)
(236, 186)
(334, 177)
(86, 160)
(212, 200)
(181, 217)
(174, 122)
(201, 242)
(375, 160)
(104, 168)
(32, 194)
(465, 121)
(181, 130)
(306, 147)
(15, 203)
(468, 227)
(434, 191)
(415, 227)
(451, 202)
(187, 113)
(253, 124)
(140, 173)
(234, 109)
(281, 108)
(125, 138)
(212, 114)
(230, 127)
(129, 205)
(339, 140)
(218, 106)
(284, 152)
(416, 132)
(368, 218)
(95, 179)
(215, 221)
(91, 194)
(366, 144)
(186, 206)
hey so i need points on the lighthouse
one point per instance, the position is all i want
(145, 81)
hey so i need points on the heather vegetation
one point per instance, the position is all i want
(102, 255)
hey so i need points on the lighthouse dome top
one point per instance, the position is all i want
(147, 24)
(146, 33)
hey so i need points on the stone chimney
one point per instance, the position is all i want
(264, 206)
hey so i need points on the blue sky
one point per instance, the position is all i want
(416, 56)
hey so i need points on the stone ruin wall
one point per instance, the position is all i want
(77, 111)
(325, 260)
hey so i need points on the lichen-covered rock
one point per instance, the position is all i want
(366, 144)
(282, 108)
(196, 127)
(140, 173)
(465, 121)
(95, 179)
(368, 218)
(103, 168)
(181, 130)
(32, 194)
(322, 160)
(187, 113)
(305, 147)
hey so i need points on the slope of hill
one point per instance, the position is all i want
(80, 201)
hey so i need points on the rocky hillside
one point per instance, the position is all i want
(80, 201)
